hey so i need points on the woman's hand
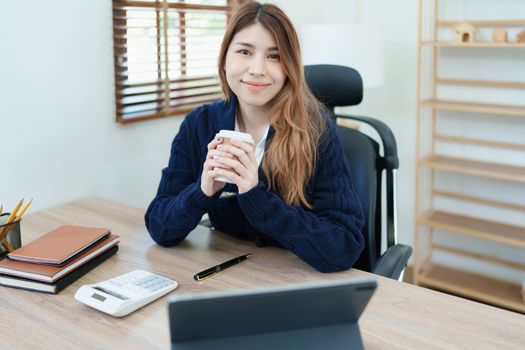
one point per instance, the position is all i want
(208, 184)
(239, 165)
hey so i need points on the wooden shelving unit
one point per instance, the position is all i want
(430, 219)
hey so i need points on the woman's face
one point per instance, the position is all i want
(253, 67)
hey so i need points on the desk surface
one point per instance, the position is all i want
(399, 315)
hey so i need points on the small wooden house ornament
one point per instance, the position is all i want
(499, 35)
(521, 37)
(464, 33)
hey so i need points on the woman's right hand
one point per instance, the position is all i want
(208, 185)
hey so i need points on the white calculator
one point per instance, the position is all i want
(124, 294)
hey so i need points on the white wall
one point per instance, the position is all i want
(59, 139)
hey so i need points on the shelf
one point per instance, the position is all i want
(475, 227)
(478, 256)
(486, 23)
(475, 286)
(478, 44)
(480, 142)
(473, 167)
(479, 200)
(482, 83)
(470, 107)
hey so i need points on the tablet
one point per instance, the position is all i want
(320, 315)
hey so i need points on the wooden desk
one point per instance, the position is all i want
(399, 315)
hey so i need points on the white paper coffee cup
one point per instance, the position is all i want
(226, 136)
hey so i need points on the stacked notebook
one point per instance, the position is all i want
(57, 259)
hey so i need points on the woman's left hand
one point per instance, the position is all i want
(242, 169)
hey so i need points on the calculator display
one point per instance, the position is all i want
(98, 297)
(110, 292)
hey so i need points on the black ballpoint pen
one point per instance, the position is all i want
(213, 270)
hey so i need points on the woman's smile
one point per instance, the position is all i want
(255, 86)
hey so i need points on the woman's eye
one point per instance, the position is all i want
(274, 57)
(244, 52)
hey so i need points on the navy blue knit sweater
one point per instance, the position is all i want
(328, 237)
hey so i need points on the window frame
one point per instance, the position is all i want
(166, 88)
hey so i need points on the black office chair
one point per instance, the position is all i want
(338, 86)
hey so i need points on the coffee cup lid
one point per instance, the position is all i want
(236, 135)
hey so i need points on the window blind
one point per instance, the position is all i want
(166, 56)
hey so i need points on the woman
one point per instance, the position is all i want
(293, 188)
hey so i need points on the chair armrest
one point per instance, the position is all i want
(387, 138)
(393, 261)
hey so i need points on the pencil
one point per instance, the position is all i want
(13, 213)
(19, 217)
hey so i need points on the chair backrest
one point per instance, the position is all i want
(342, 86)
(334, 85)
(361, 153)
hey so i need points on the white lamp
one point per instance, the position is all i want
(357, 46)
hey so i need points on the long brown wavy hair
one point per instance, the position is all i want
(295, 114)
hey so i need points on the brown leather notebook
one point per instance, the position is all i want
(61, 283)
(50, 274)
(59, 245)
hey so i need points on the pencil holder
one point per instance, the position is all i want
(9, 236)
